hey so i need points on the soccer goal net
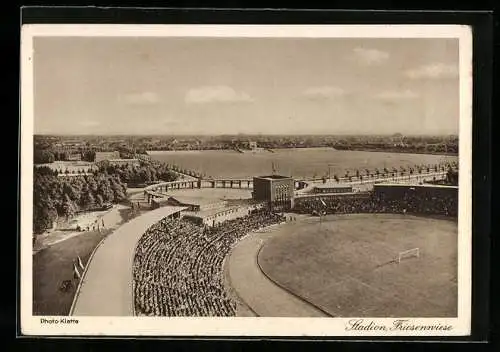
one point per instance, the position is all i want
(410, 253)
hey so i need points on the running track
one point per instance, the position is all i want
(262, 295)
(106, 289)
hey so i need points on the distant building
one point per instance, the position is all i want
(74, 157)
(212, 217)
(398, 140)
(70, 167)
(120, 162)
(276, 190)
(143, 157)
(252, 145)
(332, 189)
(101, 156)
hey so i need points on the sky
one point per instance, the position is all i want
(171, 85)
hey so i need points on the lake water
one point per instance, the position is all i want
(299, 163)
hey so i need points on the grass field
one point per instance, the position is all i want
(54, 264)
(343, 265)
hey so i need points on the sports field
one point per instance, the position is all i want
(343, 265)
(213, 193)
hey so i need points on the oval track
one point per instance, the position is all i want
(258, 292)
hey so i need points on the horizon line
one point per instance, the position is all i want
(245, 134)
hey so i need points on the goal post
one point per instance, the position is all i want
(414, 252)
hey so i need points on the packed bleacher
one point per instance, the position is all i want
(178, 266)
(408, 204)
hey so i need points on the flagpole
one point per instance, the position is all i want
(76, 271)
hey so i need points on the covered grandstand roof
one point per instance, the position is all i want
(331, 185)
(424, 185)
(210, 212)
(195, 200)
(274, 177)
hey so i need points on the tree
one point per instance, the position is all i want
(70, 189)
(87, 199)
(68, 207)
(89, 155)
(118, 192)
(44, 170)
(43, 157)
(99, 200)
(44, 215)
(452, 177)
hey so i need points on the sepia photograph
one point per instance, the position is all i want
(246, 180)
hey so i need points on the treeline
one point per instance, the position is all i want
(55, 196)
(145, 173)
(442, 148)
(46, 156)
(452, 177)
(130, 152)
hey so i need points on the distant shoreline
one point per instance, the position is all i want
(264, 150)
(395, 151)
(157, 152)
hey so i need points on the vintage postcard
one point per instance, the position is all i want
(250, 180)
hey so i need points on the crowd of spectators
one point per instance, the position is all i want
(178, 265)
(445, 205)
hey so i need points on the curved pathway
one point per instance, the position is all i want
(258, 292)
(106, 289)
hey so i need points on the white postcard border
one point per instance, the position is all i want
(302, 327)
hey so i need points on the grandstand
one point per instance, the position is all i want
(396, 191)
(197, 203)
(387, 198)
(329, 188)
(213, 217)
(178, 266)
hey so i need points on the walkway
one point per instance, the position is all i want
(111, 218)
(106, 289)
(255, 289)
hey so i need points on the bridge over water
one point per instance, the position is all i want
(159, 190)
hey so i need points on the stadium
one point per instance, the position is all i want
(275, 246)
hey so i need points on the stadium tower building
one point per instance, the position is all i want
(277, 191)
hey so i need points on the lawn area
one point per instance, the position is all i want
(343, 265)
(53, 265)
